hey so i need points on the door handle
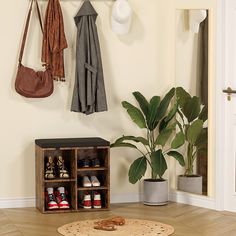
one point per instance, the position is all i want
(229, 91)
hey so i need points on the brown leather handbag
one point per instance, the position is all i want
(30, 83)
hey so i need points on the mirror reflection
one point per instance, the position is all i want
(192, 76)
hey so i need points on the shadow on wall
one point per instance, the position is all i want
(136, 33)
(123, 169)
(183, 33)
(119, 172)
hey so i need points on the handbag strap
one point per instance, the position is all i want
(27, 27)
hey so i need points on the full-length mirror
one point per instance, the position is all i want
(192, 79)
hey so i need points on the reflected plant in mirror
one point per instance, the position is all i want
(191, 120)
(192, 65)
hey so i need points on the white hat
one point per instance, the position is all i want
(195, 18)
(121, 17)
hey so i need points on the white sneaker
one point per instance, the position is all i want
(86, 181)
(95, 182)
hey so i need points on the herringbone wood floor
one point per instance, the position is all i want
(187, 220)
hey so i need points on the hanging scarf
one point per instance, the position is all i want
(54, 40)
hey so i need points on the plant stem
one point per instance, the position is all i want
(141, 152)
(189, 170)
(151, 141)
(146, 149)
(145, 155)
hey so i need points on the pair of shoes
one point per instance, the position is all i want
(56, 199)
(87, 202)
(50, 170)
(109, 224)
(93, 181)
(85, 163)
(116, 220)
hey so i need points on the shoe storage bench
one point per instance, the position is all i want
(74, 152)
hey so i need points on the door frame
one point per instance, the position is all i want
(219, 103)
(227, 13)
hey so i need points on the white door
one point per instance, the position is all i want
(229, 157)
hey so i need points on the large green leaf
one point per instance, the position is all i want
(164, 105)
(119, 144)
(194, 131)
(158, 162)
(133, 138)
(162, 125)
(172, 113)
(137, 169)
(135, 114)
(201, 141)
(203, 114)
(165, 121)
(191, 108)
(182, 96)
(143, 103)
(178, 141)
(165, 134)
(154, 103)
(179, 157)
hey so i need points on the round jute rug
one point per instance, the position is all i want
(132, 227)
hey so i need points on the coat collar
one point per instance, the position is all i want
(86, 10)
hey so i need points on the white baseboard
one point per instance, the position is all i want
(174, 196)
(30, 201)
(17, 202)
(125, 197)
(192, 199)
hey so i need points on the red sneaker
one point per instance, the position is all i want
(50, 199)
(62, 199)
(97, 200)
(87, 201)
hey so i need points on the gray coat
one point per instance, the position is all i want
(89, 90)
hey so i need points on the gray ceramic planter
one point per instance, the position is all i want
(155, 192)
(191, 184)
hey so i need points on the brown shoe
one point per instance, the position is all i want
(117, 220)
(50, 169)
(63, 172)
(105, 227)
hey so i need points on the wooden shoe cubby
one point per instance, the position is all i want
(73, 150)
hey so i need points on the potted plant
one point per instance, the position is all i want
(159, 128)
(191, 119)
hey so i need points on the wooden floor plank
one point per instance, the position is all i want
(187, 220)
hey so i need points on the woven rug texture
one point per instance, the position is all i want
(132, 227)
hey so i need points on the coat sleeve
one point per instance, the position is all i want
(100, 94)
(78, 98)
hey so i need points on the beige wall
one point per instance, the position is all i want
(142, 60)
(187, 54)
